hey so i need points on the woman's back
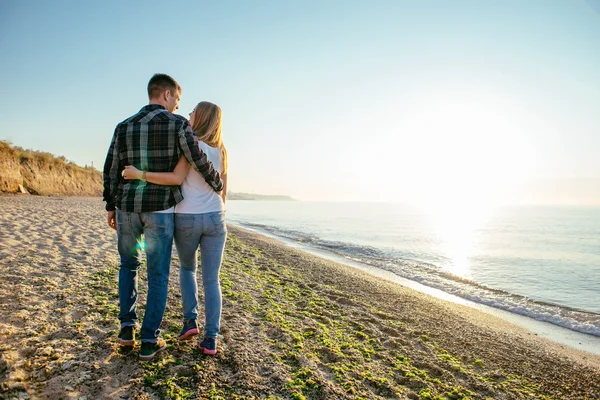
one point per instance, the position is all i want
(198, 196)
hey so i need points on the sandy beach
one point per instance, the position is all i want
(295, 326)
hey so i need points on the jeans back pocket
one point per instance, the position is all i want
(218, 220)
(184, 225)
(123, 223)
(158, 225)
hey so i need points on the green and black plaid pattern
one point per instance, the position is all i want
(151, 140)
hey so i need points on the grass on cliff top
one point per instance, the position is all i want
(41, 158)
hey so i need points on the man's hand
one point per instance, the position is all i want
(112, 219)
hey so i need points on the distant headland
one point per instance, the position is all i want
(251, 196)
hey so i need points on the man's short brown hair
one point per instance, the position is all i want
(161, 82)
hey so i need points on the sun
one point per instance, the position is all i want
(466, 153)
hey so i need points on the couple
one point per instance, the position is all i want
(152, 196)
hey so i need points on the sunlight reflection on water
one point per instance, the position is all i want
(455, 225)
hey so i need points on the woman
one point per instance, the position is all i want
(199, 221)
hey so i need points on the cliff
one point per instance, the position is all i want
(45, 174)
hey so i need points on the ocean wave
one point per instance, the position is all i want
(405, 266)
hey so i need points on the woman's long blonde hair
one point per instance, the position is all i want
(207, 126)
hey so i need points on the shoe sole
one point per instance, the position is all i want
(127, 343)
(189, 334)
(207, 351)
(151, 356)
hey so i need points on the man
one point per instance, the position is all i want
(142, 212)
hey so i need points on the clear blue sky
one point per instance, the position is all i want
(327, 100)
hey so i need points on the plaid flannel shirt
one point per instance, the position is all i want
(152, 140)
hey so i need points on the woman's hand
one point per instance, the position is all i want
(130, 172)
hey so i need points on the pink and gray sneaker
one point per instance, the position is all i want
(190, 329)
(209, 346)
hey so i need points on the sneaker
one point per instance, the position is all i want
(190, 329)
(126, 336)
(209, 345)
(150, 350)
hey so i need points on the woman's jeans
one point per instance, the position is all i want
(209, 232)
(152, 233)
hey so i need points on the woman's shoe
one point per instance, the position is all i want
(190, 329)
(209, 346)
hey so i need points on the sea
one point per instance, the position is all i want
(541, 262)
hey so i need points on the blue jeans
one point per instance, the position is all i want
(157, 241)
(209, 232)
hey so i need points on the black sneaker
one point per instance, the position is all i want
(126, 336)
(190, 329)
(209, 346)
(150, 350)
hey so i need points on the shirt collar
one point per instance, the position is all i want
(152, 107)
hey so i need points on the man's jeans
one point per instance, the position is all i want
(209, 232)
(152, 232)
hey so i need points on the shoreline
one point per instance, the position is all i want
(294, 326)
(577, 340)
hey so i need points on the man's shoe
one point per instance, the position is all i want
(126, 336)
(190, 329)
(209, 346)
(150, 350)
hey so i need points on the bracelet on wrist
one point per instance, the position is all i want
(143, 175)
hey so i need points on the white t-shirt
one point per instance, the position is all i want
(198, 196)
